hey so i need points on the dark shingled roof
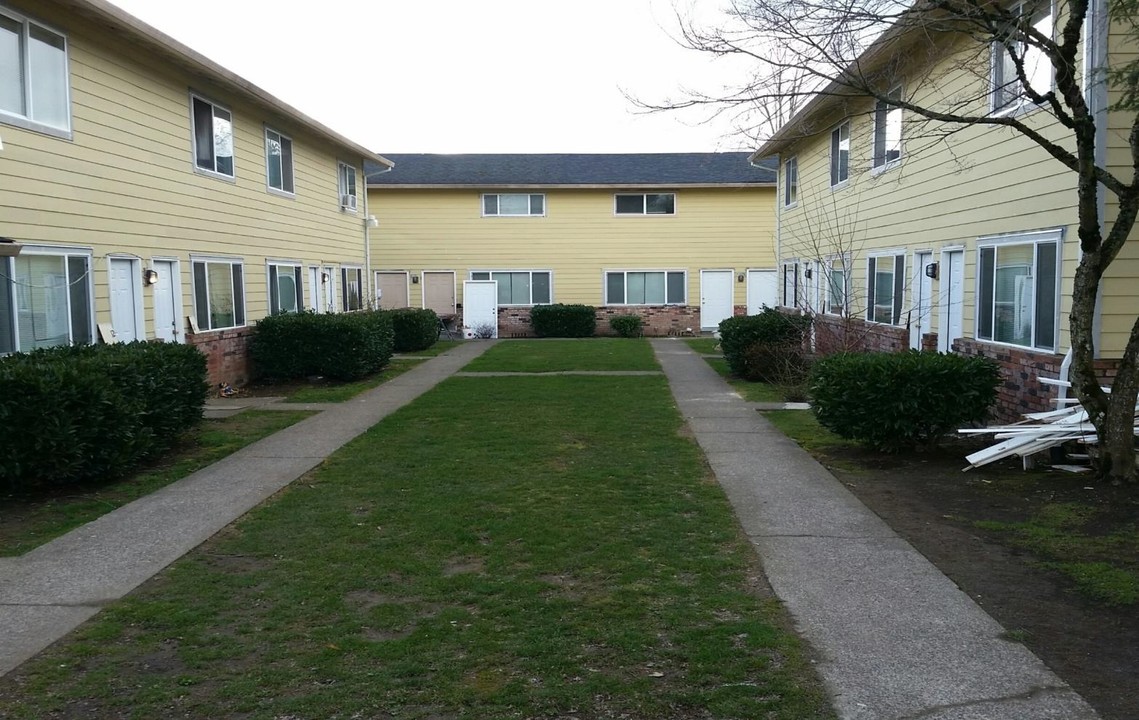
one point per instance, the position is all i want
(633, 169)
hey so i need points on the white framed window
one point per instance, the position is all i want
(513, 205)
(34, 83)
(1008, 89)
(646, 287)
(1018, 290)
(789, 283)
(888, 131)
(886, 285)
(279, 161)
(347, 184)
(351, 288)
(790, 181)
(519, 287)
(838, 285)
(644, 203)
(219, 293)
(213, 137)
(840, 154)
(46, 299)
(286, 288)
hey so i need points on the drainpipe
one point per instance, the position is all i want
(369, 223)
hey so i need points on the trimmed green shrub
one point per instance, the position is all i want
(628, 326)
(897, 401)
(93, 412)
(341, 346)
(414, 329)
(567, 321)
(739, 333)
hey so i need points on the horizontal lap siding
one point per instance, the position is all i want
(579, 237)
(125, 183)
(948, 190)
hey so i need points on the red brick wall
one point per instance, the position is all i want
(659, 320)
(227, 354)
(837, 334)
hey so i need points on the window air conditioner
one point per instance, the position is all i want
(348, 202)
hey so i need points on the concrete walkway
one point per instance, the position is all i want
(896, 638)
(49, 591)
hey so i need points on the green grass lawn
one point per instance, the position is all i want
(339, 392)
(802, 427)
(438, 348)
(534, 356)
(751, 391)
(29, 521)
(501, 548)
(704, 346)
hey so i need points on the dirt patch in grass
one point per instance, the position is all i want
(1054, 557)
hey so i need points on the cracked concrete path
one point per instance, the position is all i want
(897, 639)
(49, 591)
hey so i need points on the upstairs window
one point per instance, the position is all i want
(33, 75)
(840, 154)
(347, 175)
(513, 205)
(213, 137)
(790, 182)
(279, 161)
(645, 204)
(888, 130)
(1008, 90)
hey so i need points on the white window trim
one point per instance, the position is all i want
(22, 121)
(270, 262)
(644, 205)
(847, 268)
(797, 288)
(849, 155)
(194, 140)
(342, 187)
(605, 285)
(484, 196)
(786, 182)
(890, 164)
(900, 301)
(8, 266)
(1034, 237)
(291, 194)
(1023, 105)
(344, 270)
(470, 276)
(244, 289)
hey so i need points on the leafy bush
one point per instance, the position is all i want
(775, 328)
(779, 363)
(628, 326)
(563, 320)
(414, 329)
(345, 346)
(92, 412)
(896, 401)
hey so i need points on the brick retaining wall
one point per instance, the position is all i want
(837, 334)
(659, 320)
(227, 354)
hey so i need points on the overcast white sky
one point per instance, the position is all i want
(463, 76)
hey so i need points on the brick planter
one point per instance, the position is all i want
(659, 320)
(838, 334)
(227, 354)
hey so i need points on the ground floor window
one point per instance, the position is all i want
(1017, 298)
(886, 275)
(286, 289)
(646, 287)
(351, 288)
(45, 300)
(219, 293)
(789, 275)
(838, 285)
(518, 287)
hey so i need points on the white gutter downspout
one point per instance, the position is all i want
(368, 225)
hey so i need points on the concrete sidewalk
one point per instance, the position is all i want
(52, 589)
(896, 638)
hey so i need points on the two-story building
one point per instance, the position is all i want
(153, 194)
(902, 233)
(682, 239)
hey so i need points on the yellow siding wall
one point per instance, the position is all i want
(125, 183)
(953, 185)
(578, 238)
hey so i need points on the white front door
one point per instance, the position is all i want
(921, 317)
(952, 298)
(762, 289)
(322, 289)
(480, 308)
(167, 301)
(126, 299)
(716, 297)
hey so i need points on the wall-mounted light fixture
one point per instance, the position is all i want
(323, 277)
(9, 247)
(372, 222)
(740, 277)
(414, 279)
(150, 276)
(931, 270)
(807, 273)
